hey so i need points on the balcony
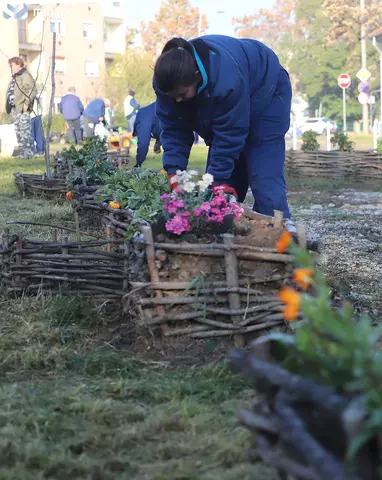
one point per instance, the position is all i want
(113, 48)
(24, 42)
(113, 12)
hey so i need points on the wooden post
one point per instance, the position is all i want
(19, 246)
(154, 275)
(301, 235)
(77, 223)
(126, 266)
(232, 276)
(47, 144)
(279, 217)
(54, 235)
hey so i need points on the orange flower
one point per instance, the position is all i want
(84, 142)
(98, 161)
(69, 195)
(283, 244)
(115, 205)
(163, 172)
(292, 300)
(303, 277)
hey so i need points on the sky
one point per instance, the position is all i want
(219, 23)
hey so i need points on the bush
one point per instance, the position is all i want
(58, 123)
(344, 144)
(379, 145)
(309, 141)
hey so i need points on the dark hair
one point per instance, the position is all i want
(176, 67)
(132, 93)
(16, 61)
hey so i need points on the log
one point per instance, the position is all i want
(232, 278)
(184, 246)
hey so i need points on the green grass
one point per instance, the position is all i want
(75, 406)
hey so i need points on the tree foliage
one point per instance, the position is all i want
(316, 45)
(133, 70)
(175, 18)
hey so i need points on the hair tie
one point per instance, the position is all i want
(180, 48)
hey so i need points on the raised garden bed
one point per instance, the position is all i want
(40, 185)
(226, 288)
(86, 267)
(335, 164)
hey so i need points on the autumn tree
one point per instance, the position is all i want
(175, 18)
(133, 70)
(275, 26)
(346, 18)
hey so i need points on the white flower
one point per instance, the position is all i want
(194, 173)
(208, 178)
(175, 179)
(202, 185)
(189, 187)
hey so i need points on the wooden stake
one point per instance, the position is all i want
(47, 139)
(232, 276)
(154, 275)
(279, 217)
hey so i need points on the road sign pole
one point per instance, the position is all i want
(344, 108)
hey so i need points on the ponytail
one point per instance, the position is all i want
(176, 67)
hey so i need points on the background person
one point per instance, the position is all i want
(93, 114)
(19, 101)
(37, 128)
(131, 107)
(71, 109)
(146, 127)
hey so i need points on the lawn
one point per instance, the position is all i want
(75, 405)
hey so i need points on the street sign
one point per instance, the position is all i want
(344, 80)
(363, 87)
(364, 75)
(371, 100)
(363, 98)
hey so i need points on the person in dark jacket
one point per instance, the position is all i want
(71, 109)
(235, 94)
(93, 114)
(146, 127)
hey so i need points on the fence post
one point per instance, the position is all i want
(328, 145)
(294, 135)
(375, 134)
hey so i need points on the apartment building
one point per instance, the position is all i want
(88, 35)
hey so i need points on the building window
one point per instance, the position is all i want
(88, 30)
(60, 65)
(57, 26)
(91, 69)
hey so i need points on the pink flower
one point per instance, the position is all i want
(178, 225)
(215, 211)
(174, 205)
(165, 196)
(185, 214)
(219, 201)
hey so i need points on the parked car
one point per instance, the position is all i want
(318, 125)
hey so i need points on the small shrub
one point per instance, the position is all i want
(58, 123)
(309, 141)
(379, 145)
(342, 140)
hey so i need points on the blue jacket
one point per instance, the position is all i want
(239, 81)
(146, 127)
(71, 107)
(95, 109)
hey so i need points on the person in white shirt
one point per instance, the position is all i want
(131, 108)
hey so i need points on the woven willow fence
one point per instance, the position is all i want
(337, 165)
(301, 428)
